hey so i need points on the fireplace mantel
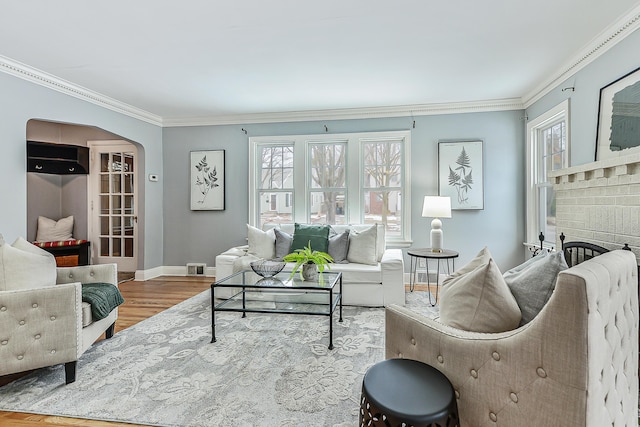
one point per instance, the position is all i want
(599, 202)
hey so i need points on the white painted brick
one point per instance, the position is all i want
(631, 200)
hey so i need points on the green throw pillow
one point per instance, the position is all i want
(318, 235)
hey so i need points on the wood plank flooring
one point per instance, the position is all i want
(142, 300)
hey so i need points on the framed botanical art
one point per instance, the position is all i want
(207, 180)
(460, 173)
(619, 117)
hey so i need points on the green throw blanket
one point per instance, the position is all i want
(103, 297)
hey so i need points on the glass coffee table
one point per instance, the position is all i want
(280, 294)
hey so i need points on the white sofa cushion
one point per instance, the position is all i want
(476, 298)
(50, 230)
(358, 273)
(261, 243)
(25, 266)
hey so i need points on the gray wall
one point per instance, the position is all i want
(22, 101)
(198, 236)
(583, 102)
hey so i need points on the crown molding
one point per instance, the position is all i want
(33, 75)
(598, 46)
(607, 39)
(350, 113)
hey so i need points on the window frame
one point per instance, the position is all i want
(535, 210)
(354, 210)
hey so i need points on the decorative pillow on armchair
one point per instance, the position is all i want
(25, 266)
(533, 282)
(476, 298)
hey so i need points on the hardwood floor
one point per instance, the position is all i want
(142, 300)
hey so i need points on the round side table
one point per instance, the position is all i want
(404, 392)
(427, 254)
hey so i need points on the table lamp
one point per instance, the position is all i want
(436, 207)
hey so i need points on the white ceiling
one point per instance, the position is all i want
(204, 58)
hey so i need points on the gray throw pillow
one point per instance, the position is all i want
(339, 247)
(283, 243)
(532, 282)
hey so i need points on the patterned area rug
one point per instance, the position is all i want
(267, 370)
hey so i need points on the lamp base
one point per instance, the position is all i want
(436, 235)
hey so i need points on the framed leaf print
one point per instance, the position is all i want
(460, 173)
(207, 180)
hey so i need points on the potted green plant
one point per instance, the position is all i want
(310, 260)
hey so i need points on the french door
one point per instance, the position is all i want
(113, 203)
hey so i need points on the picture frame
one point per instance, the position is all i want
(207, 180)
(619, 117)
(461, 174)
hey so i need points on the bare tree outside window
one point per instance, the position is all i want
(328, 180)
(276, 184)
(383, 183)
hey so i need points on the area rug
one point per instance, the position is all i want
(264, 370)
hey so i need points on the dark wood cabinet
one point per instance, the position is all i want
(59, 159)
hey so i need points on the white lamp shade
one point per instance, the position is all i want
(436, 207)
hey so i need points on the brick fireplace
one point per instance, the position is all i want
(599, 202)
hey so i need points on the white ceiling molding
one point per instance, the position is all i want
(614, 34)
(50, 81)
(606, 40)
(350, 113)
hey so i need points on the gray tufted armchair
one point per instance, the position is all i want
(51, 325)
(574, 365)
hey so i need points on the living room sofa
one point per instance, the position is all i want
(377, 284)
(575, 364)
(43, 320)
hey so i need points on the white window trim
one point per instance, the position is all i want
(354, 175)
(554, 114)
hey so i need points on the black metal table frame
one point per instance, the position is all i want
(414, 259)
(332, 303)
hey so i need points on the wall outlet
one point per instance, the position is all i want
(196, 269)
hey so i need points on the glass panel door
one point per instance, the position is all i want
(114, 205)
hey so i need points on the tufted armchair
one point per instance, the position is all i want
(574, 365)
(50, 325)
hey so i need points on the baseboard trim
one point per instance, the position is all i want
(170, 270)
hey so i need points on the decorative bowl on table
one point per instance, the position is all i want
(266, 268)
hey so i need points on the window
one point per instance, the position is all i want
(275, 189)
(548, 151)
(332, 179)
(382, 188)
(327, 187)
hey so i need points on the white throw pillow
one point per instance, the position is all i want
(476, 298)
(25, 266)
(261, 243)
(54, 231)
(362, 246)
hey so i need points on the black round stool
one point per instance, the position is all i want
(403, 392)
